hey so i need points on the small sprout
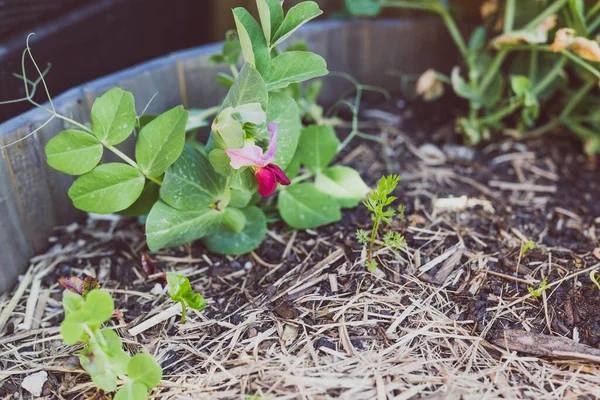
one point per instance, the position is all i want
(362, 236)
(394, 240)
(378, 202)
(371, 265)
(401, 213)
(103, 356)
(181, 291)
(535, 293)
(528, 245)
(594, 279)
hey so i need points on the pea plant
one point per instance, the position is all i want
(518, 79)
(379, 202)
(214, 191)
(103, 356)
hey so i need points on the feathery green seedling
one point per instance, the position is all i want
(378, 203)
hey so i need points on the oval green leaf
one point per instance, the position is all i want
(142, 368)
(295, 18)
(144, 203)
(74, 152)
(191, 182)
(249, 87)
(318, 146)
(294, 67)
(108, 188)
(344, 184)
(271, 16)
(161, 142)
(224, 241)
(284, 111)
(252, 40)
(167, 226)
(303, 206)
(113, 116)
(132, 391)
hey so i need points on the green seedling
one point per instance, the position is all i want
(378, 202)
(103, 356)
(181, 291)
(539, 291)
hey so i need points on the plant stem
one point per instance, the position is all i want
(552, 9)
(594, 24)
(492, 70)
(234, 71)
(576, 98)
(533, 65)
(509, 16)
(581, 62)
(550, 76)
(373, 235)
(593, 11)
(129, 161)
(183, 312)
(503, 112)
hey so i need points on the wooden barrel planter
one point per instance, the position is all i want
(33, 196)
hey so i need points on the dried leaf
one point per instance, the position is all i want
(429, 86)
(532, 36)
(148, 265)
(565, 39)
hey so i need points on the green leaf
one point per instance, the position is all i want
(271, 17)
(108, 188)
(294, 67)
(72, 328)
(364, 8)
(72, 302)
(220, 162)
(344, 184)
(295, 18)
(293, 167)
(478, 39)
(300, 45)
(240, 198)
(520, 84)
(224, 241)
(225, 80)
(234, 219)
(303, 206)
(132, 391)
(249, 87)
(143, 369)
(100, 305)
(100, 371)
(179, 286)
(144, 203)
(167, 226)
(318, 146)
(113, 116)
(284, 111)
(161, 142)
(74, 152)
(191, 182)
(252, 40)
(195, 301)
(244, 180)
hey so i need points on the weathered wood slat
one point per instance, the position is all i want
(33, 197)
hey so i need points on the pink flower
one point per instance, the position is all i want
(267, 174)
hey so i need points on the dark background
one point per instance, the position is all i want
(87, 39)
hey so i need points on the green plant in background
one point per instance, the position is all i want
(513, 80)
(181, 291)
(213, 191)
(594, 279)
(378, 202)
(103, 356)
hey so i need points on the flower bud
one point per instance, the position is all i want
(230, 123)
